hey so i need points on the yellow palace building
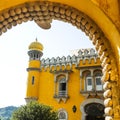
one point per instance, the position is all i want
(72, 84)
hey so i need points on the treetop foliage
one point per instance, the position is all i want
(34, 111)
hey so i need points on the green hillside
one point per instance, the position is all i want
(5, 113)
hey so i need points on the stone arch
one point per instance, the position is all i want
(88, 101)
(44, 12)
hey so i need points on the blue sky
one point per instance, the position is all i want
(59, 40)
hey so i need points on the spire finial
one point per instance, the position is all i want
(36, 40)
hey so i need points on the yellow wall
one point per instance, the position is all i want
(46, 93)
(46, 87)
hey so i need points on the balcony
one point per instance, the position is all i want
(92, 93)
(62, 95)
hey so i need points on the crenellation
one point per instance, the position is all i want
(47, 61)
(92, 52)
(43, 62)
(74, 59)
(63, 60)
(85, 61)
(58, 61)
(86, 53)
(52, 61)
(69, 59)
(84, 57)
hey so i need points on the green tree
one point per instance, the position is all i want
(34, 111)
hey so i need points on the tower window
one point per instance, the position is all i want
(34, 57)
(33, 80)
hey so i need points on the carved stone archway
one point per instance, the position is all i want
(86, 102)
(44, 12)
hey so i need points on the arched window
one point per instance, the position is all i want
(62, 87)
(89, 83)
(62, 114)
(98, 81)
(90, 80)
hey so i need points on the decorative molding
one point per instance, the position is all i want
(29, 99)
(61, 98)
(33, 69)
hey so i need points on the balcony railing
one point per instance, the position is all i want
(62, 93)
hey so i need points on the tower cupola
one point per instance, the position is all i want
(35, 50)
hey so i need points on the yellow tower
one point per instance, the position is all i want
(35, 53)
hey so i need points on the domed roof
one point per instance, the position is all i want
(36, 46)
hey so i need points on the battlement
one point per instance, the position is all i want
(85, 56)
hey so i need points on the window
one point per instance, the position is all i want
(98, 81)
(62, 87)
(62, 114)
(33, 80)
(89, 83)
